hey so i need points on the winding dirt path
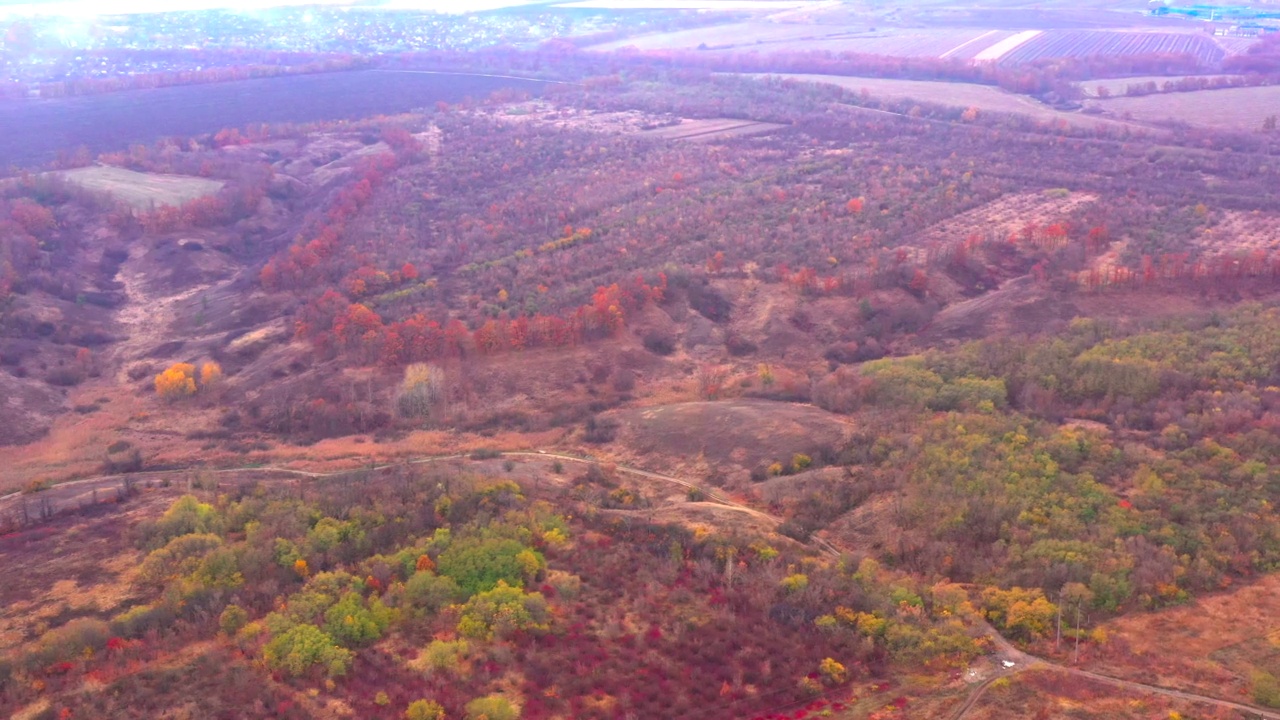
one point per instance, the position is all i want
(1005, 651)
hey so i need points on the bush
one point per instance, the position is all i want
(1266, 689)
(491, 707)
(137, 621)
(71, 641)
(600, 430)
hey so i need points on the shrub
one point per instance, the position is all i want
(424, 710)
(73, 640)
(491, 707)
(800, 462)
(1266, 689)
(795, 583)
(137, 621)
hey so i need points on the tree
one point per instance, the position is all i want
(178, 380)
(491, 707)
(481, 564)
(299, 648)
(210, 374)
(424, 710)
(501, 612)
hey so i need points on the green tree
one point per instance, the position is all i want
(303, 646)
(502, 611)
(352, 621)
(424, 710)
(491, 707)
(431, 593)
(232, 619)
(479, 564)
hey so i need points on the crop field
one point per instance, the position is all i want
(1001, 218)
(35, 131)
(983, 97)
(1228, 109)
(142, 190)
(1241, 232)
(771, 37)
(1085, 43)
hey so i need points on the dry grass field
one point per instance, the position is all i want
(983, 97)
(779, 37)
(1117, 86)
(1210, 646)
(1227, 109)
(711, 129)
(142, 190)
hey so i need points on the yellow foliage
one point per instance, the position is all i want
(179, 380)
(210, 374)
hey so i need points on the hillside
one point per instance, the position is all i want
(812, 401)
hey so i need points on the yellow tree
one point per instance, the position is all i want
(178, 380)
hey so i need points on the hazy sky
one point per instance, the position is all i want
(106, 7)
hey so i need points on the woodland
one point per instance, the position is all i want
(1041, 361)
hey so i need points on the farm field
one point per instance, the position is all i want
(1227, 109)
(36, 130)
(769, 37)
(1085, 43)
(983, 97)
(1118, 86)
(142, 190)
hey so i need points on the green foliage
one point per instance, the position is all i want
(71, 641)
(491, 707)
(443, 655)
(180, 556)
(424, 710)
(1021, 613)
(302, 647)
(232, 619)
(138, 620)
(479, 563)
(502, 611)
(795, 583)
(1266, 689)
(353, 622)
(431, 593)
(187, 515)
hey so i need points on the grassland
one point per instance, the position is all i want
(983, 97)
(1227, 109)
(1117, 86)
(142, 190)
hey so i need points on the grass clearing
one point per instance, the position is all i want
(1227, 109)
(142, 191)
(710, 129)
(984, 97)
